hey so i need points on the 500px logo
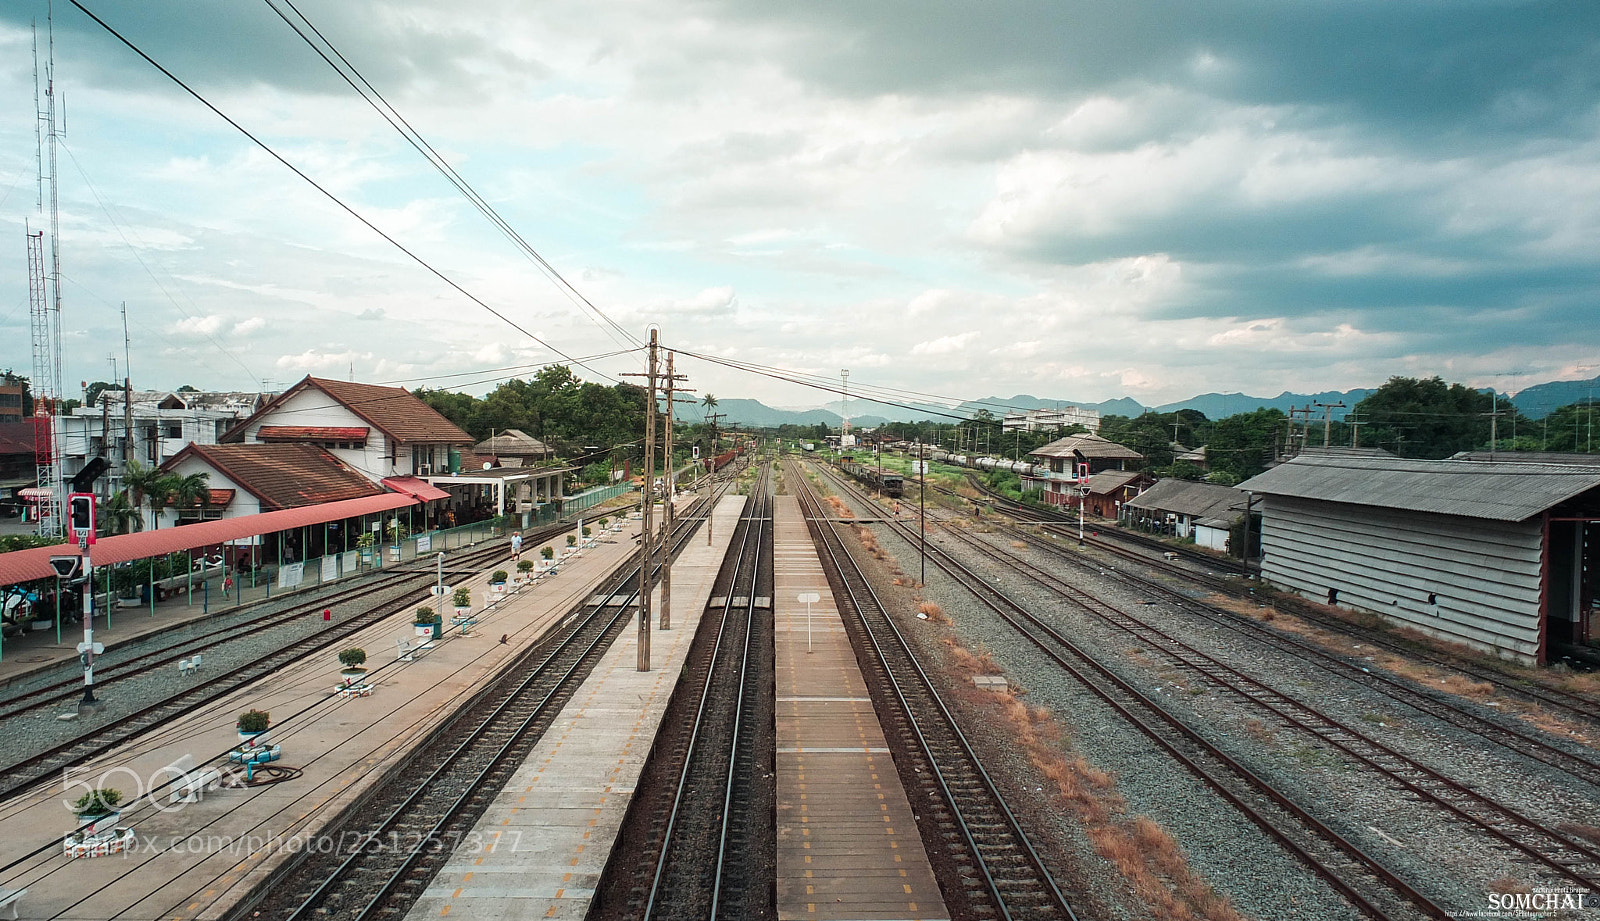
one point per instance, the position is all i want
(122, 787)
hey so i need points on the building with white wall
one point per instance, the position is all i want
(1035, 420)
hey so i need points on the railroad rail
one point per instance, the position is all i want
(968, 822)
(1575, 860)
(694, 842)
(409, 826)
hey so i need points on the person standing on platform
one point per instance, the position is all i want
(516, 545)
(227, 585)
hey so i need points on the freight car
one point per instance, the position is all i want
(1021, 468)
(888, 482)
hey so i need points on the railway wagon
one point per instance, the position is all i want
(890, 484)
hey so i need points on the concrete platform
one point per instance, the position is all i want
(195, 860)
(548, 835)
(848, 847)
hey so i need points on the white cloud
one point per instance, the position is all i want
(945, 345)
(197, 327)
(246, 327)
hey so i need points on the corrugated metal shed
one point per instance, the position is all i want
(1222, 504)
(1500, 491)
(1110, 481)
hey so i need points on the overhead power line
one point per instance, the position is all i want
(326, 193)
(390, 114)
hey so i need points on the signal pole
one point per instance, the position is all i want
(668, 512)
(1327, 420)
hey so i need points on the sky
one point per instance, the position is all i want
(1074, 200)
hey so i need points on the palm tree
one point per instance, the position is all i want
(140, 481)
(191, 491)
(121, 516)
(158, 495)
(710, 403)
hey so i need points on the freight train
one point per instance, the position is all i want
(1020, 468)
(887, 482)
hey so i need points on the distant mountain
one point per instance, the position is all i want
(1222, 405)
(910, 411)
(1538, 401)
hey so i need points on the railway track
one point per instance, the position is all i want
(49, 764)
(967, 822)
(1580, 707)
(410, 825)
(695, 842)
(1575, 860)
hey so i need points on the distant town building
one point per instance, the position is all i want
(1064, 464)
(11, 399)
(163, 424)
(1035, 420)
(513, 448)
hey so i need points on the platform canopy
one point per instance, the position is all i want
(34, 563)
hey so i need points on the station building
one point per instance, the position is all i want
(1204, 512)
(1061, 465)
(1500, 554)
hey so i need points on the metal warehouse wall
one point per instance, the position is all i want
(1484, 574)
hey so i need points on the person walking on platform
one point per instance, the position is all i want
(516, 545)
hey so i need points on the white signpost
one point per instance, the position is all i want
(808, 598)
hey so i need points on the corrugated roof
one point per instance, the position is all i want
(1197, 500)
(416, 488)
(1111, 480)
(26, 565)
(1089, 446)
(514, 442)
(1474, 489)
(313, 433)
(283, 475)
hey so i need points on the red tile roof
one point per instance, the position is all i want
(416, 488)
(282, 475)
(392, 410)
(26, 565)
(356, 433)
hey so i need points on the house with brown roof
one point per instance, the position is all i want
(381, 432)
(249, 478)
(513, 448)
(1063, 465)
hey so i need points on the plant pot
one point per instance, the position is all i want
(463, 612)
(352, 673)
(423, 629)
(253, 739)
(97, 823)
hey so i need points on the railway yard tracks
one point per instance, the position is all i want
(410, 824)
(993, 869)
(696, 842)
(1563, 855)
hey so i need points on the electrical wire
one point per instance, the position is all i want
(325, 192)
(390, 114)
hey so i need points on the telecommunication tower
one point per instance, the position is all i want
(45, 312)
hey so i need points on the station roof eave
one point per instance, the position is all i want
(34, 563)
(412, 486)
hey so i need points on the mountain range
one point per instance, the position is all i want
(1534, 402)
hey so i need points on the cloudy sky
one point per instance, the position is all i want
(1079, 200)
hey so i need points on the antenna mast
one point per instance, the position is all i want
(46, 314)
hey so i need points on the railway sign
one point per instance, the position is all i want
(96, 648)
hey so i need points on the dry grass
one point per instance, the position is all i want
(1588, 832)
(1019, 544)
(1259, 731)
(840, 510)
(1508, 885)
(935, 614)
(1142, 851)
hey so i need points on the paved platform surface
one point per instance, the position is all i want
(546, 838)
(196, 860)
(848, 847)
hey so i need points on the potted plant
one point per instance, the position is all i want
(462, 599)
(497, 581)
(351, 659)
(364, 543)
(587, 530)
(252, 726)
(572, 542)
(523, 568)
(548, 553)
(426, 621)
(604, 522)
(97, 809)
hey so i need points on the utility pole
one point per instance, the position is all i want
(1355, 430)
(922, 508)
(668, 512)
(1327, 420)
(647, 494)
(844, 430)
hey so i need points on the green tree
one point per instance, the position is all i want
(1427, 417)
(1568, 428)
(119, 515)
(191, 491)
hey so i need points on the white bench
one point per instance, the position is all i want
(405, 652)
(9, 899)
(191, 664)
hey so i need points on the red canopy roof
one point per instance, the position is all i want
(24, 565)
(412, 486)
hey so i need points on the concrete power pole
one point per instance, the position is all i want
(668, 512)
(647, 503)
(1327, 420)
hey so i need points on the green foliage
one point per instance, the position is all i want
(572, 540)
(1428, 418)
(424, 615)
(366, 539)
(10, 542)
(254, 721)
(499, 575)
(352, 657)
(1567, 429)
(524, 565)
(548, 553)
(98, 801)
(462, 598)
(555, 407)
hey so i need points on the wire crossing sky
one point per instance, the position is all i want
(1074, 201)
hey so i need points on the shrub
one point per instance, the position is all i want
(604, 522)
(572, 540)
(498, 576)
(587, 531)
(98, 801)
(254, 721)
(462, 598)
(425, 615)
(352, 657)
(547, 552)
(524, 565)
